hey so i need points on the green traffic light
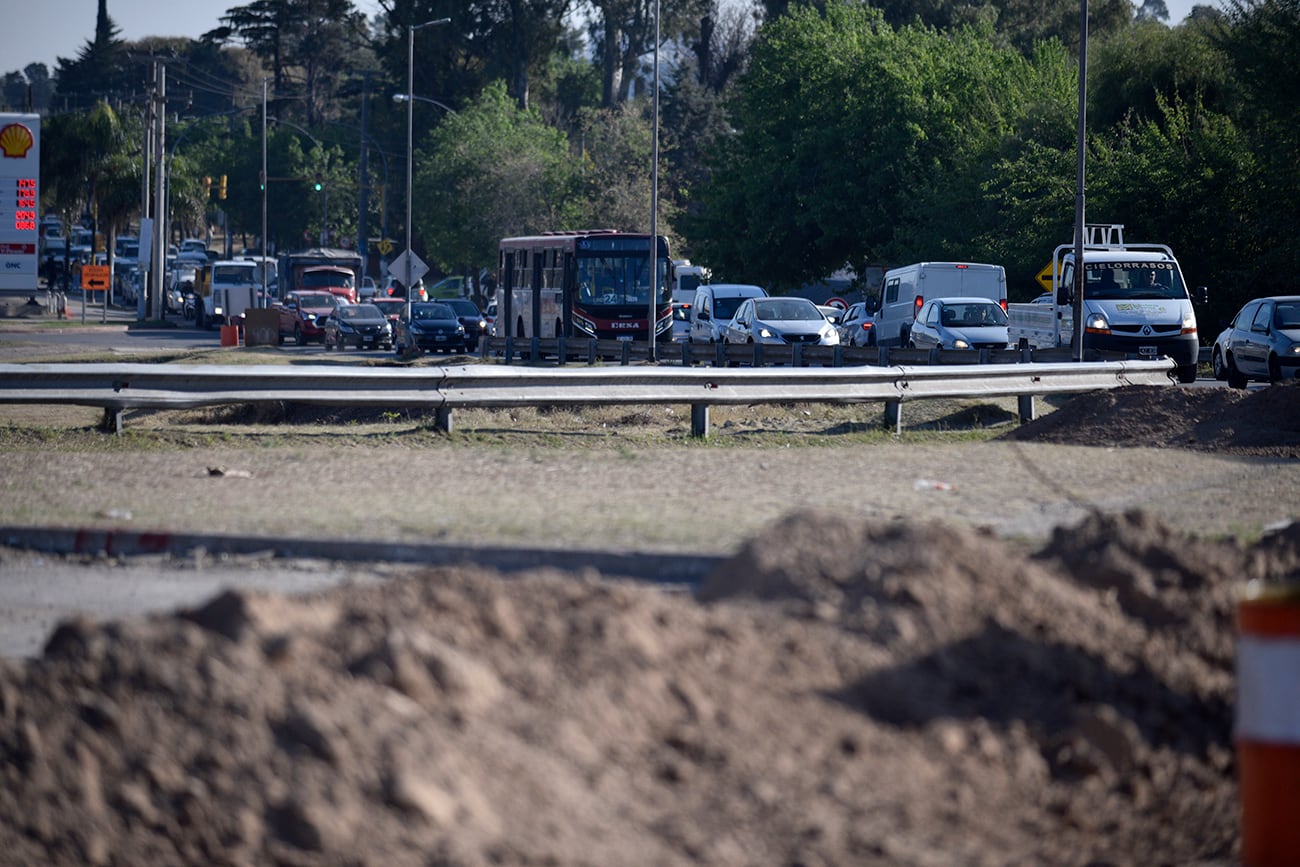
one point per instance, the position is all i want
(317, 187)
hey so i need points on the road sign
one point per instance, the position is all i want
(398, 267)
(1045, 276)
(95, 277)
(837, 302)
(385, 246)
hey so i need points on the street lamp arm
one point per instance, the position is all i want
(401, 97)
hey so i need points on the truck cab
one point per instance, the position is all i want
(223, 291)
(1135, 302)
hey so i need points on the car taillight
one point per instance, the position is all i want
(1003, 305)
(916, 306)
(866, 326)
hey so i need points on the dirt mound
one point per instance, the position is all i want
(836, 693)
(1263, 422)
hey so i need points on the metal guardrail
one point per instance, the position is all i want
(118, 387)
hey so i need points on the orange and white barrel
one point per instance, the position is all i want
(1268, 724)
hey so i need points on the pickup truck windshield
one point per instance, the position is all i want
(1133, 281)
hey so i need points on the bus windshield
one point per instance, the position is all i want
(619, 280)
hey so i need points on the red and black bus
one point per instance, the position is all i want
(589, 283)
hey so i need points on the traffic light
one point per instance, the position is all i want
(207, 185)
(318, 186)
(261, 179)
(221, 191)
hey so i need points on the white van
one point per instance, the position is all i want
(713, 307)
(906, 289)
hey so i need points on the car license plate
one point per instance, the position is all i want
(1148, 350)
(625, 337)
(444, 337)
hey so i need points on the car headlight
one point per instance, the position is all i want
(1293, 349)
(460, 329)
(1096, 322)
(310, 317)
(960, 344)
(767, 333)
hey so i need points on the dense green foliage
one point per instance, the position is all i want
(797, 139)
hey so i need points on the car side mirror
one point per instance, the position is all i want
(703, 316)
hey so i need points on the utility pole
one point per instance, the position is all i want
(146, 169)
(363, 202)
(158, 258)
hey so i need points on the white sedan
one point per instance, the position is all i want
(780, 321)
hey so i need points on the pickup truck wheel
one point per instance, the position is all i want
(297, 335)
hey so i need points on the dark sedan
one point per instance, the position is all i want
(476, 326)
(361, 325)
(433, 327)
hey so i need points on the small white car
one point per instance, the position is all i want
(780, 321)
(960, 323)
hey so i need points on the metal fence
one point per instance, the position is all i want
(119, 387)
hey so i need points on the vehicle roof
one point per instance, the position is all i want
(966, 299)
(732, 288)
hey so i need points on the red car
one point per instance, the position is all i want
(301, 314)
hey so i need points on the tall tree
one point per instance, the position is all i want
(490, 171)
(521, 35)
(100, 70)
(623, 32)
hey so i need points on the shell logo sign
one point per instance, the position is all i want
(16, 140)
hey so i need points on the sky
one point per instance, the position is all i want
(61, 28)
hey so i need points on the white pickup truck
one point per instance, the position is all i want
(1134, 301)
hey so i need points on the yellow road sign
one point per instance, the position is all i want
(1045, 276)
(385, 246)
(95, 277)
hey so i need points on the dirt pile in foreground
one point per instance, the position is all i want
(1263, 422)
(837, 693)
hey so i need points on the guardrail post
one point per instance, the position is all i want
(560, 357)
(686, 353)
(796, 355)
(883, 357)
(984, 355)
(510, 350)
(700, 420)
(894, 415)
(442, 419)
(1025, 402)
(837, 357)
(627, 353)
(535, 349)
(591, 351)
(112, 420)
(934, 355)
(720, 355)
(758, 355)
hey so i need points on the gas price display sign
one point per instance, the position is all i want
(20, 197)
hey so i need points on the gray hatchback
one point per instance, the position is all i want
(1262, 343)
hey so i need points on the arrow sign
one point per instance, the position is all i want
(1045, 276)
(95, 277)
(398, 267)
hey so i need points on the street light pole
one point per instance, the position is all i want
(410, 134)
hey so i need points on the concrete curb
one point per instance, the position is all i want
(646, 566)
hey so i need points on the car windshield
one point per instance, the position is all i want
(725, 308)
(619, 280)
(313, 279)
(972, 315)
(1286, 315)
(463, 307)
(359, 311)
(432, 311)
(1133, 281)
(787, 310)
(318, 299)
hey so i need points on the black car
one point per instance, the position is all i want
(361, 325)
(432, 327)
(476, 326)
